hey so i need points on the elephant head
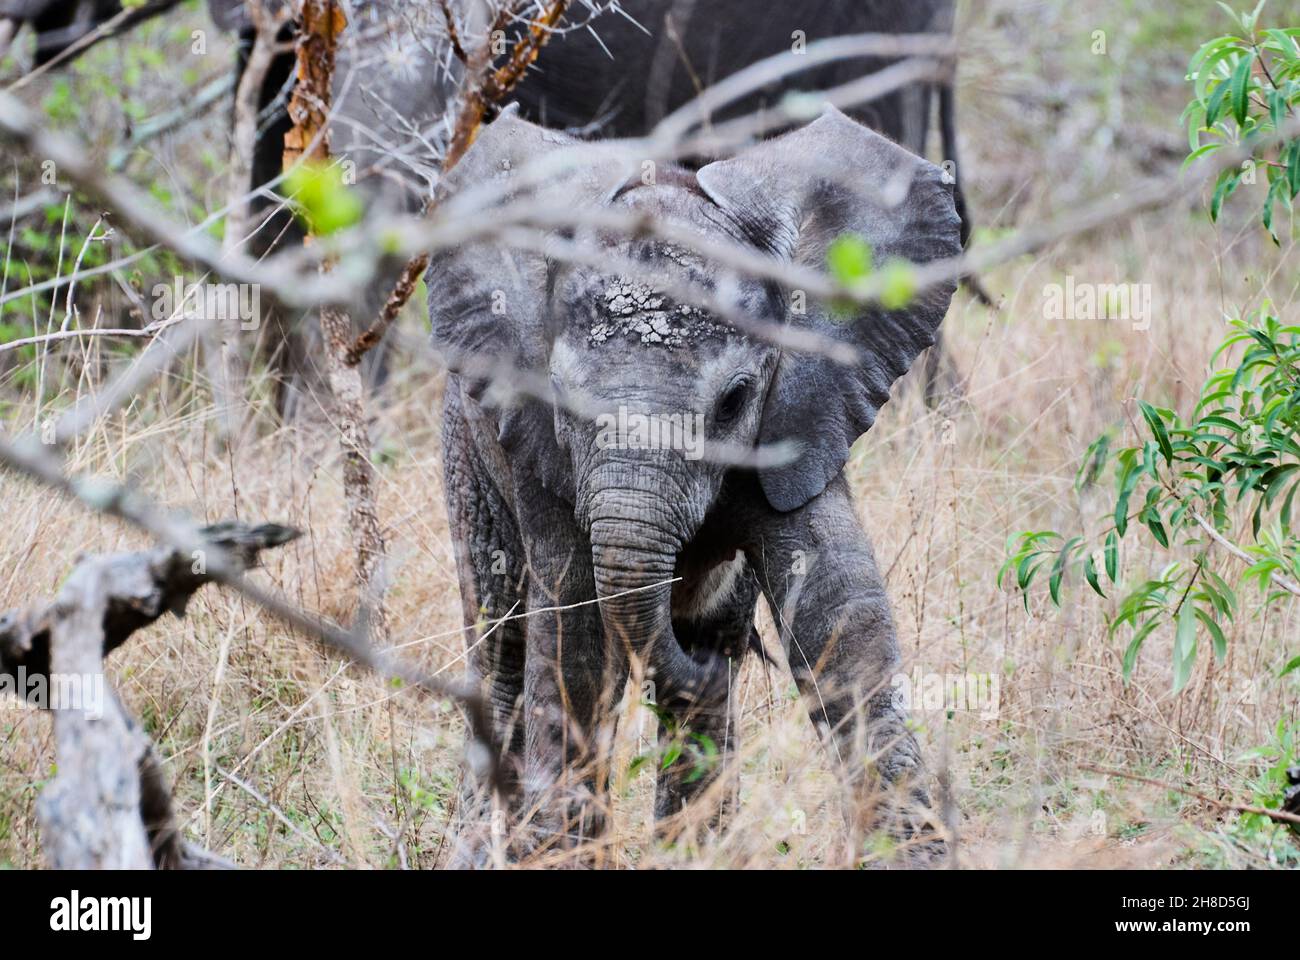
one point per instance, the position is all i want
(632, 389)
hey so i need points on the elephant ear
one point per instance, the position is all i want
(796, 194)
(487, 299)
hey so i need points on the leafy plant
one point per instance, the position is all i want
(1241, 448)
(1219, 485)
(698, 749)
(1257, 834)
(1246, 86)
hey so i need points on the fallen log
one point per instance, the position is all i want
(109, 806)
(140, 587)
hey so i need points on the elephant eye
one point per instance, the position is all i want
(732, 401)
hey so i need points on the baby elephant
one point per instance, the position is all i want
(645, 428)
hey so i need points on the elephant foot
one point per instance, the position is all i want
(902, 830)
(559, 826)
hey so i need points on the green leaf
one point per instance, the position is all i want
(899, 284)
(1228, 181)
(1248, 20)
(1276, 107)
(1135, 645)
(670, 755)
(1194, 117)
(1215, 105)
(1094, 459)
(1240, 84)
(1112, 556)
(1184, 645)
(1290, 667)
(1274, 189)
(849, 258)
(1202, 151)
(323, 201)
(1232, 14)
(1158, 531)
(1216, 634)
(1090, 574)
(1128, 479)
(1157, 426)
(1293, 169)
(1058, 569)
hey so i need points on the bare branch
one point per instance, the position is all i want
(120, 21)
(321, 24)
(31, 459)
(109, 805)
(482, 89)
(90, 812)
(138, 588)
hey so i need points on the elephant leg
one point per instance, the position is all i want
(714, 613)
(818, 574)
(493, 585)
(571, 681)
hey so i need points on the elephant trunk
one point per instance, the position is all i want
(633, 559)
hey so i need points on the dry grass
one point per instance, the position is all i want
(283, 758)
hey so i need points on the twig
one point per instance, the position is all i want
(280, 815)
(72, 334)
(34, 461)
(1286, 583)
(478, 95)
(26, 206)
(453, 35)
(321, 23)
(111, 27)
(406, 284)
(1280, 816)
(415, 237)
(163, 123)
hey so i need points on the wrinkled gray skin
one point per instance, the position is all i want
(545, 516)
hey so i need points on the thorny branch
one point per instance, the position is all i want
(479, 93)
(320, 24)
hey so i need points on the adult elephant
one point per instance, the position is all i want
(617, 78)
(623, 77)
(613, 489)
